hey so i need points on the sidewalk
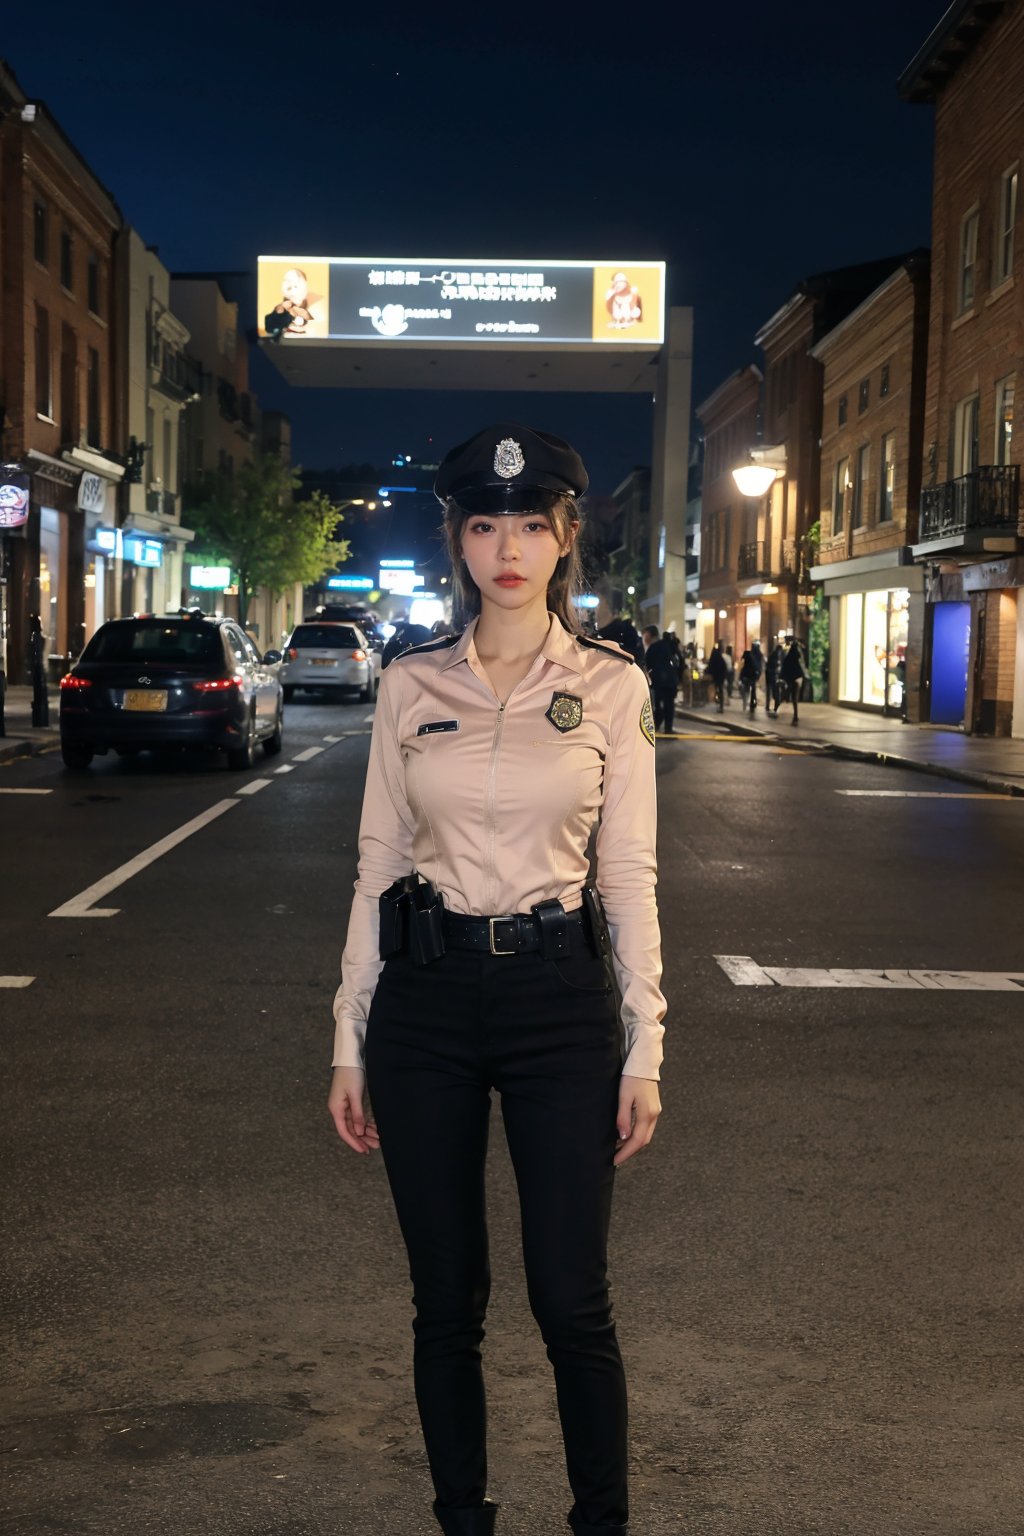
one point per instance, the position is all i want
(23, 739)
(994, 763)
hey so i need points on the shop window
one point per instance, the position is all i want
(1005, 390)
(968, 260)
(93, 426)
(67, 265)
(41, 233)
(860, 488)
(863, 396)
(873, 633)
(93, 283)
(1005, 228)
(842, 412)
(887, 487)
(840, 492)
(44, 383)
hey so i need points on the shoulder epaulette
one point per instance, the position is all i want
(606, 647)
(444, 644)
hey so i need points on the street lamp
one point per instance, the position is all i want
(754, 479)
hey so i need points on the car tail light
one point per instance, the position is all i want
(292, 653)
(71, 681)
(217, 684)
(358, 655)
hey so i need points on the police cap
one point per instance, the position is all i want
(504, 467)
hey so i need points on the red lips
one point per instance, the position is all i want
(510, 581)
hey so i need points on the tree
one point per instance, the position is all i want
(250, 521)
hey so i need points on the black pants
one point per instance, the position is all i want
(544, 1034)
(664, 707)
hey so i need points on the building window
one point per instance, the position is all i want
(67, 275)
(842, 411)
(968, 260)
(883, 382)
(92, 425)
(1007, 220)
(888, 483)
(860, 488)
(863, 396)
(41, 233)
(68, 385)
(1004, 419)
(965, 441)
(43, 381)
(840, 491)
(94, 283)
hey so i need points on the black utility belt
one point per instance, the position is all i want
(414, 922)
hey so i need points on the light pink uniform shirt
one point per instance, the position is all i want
(496, 812)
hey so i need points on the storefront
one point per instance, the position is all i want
(874, 630)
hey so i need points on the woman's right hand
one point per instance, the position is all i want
(345, 1103)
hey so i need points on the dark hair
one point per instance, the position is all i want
(566, 581)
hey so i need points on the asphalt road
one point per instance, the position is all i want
(817, 1263)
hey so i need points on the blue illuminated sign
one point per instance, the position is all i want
(350, 583)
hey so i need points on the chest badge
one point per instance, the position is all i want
(565, 712)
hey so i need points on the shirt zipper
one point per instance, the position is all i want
(490, 812)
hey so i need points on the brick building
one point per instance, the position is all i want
(873, 382)
(730, 524)
(970, 539)
(57, 374)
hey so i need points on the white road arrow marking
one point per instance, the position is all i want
(742, 971)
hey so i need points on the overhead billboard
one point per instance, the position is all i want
(494, 303)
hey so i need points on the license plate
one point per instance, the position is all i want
(146, 700)
(323, 661)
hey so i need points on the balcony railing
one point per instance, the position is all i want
(753, 560)
(988, 497)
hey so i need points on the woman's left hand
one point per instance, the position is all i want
(639, 1108)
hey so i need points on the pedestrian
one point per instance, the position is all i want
(773, 678)
(751, 667)
(730, 681)
(623, 633)
(467, 818)
(718, 671)
(793, 672)
(37, 671)
(648, 635)
(664, 668)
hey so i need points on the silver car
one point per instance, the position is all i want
(322, 657)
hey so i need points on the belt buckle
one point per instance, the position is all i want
(508, 917)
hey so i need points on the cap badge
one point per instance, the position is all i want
(565, 712)
(508, 459)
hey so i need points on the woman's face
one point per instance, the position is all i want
(512, 557)
(294, 286)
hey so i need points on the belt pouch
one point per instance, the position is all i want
(393, 907)
(597, 924)
(426, 940)
(553, 927)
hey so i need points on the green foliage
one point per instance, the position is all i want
(250, 521)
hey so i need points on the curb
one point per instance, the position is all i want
(23, 747)
(864, 755)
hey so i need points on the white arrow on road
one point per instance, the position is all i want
(742, 971)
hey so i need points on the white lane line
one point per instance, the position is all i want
(26, 791)
(367, 719)
(16, 981)
(284, 768)
(304, 757)
(742, 971)
(82, 905)
(333, 739)
(253, 788)
(344, 736)
(925, 794)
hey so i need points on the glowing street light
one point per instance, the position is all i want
(754, 479)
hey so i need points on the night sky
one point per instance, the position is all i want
(747, 145)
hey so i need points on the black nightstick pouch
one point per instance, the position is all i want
(426, 939)
(393, 905)
(596, 922)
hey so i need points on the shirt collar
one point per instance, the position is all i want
(559, 647)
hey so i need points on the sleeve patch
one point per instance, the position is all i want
(647, 721)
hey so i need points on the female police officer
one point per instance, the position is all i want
(494, 753)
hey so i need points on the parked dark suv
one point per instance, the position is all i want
(171, 682)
